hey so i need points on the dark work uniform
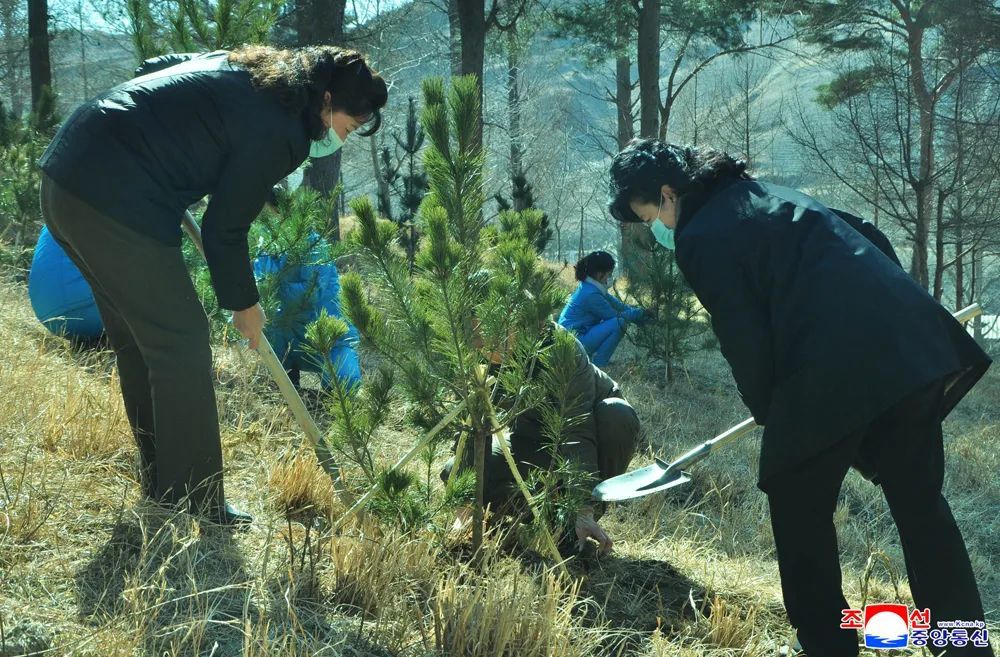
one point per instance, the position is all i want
(117, 179)
(843, 358)
(601, 443)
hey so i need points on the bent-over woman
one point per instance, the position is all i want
(116, 181)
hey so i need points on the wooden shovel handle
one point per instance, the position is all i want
(288, 391)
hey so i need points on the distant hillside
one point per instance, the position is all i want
(568, 127)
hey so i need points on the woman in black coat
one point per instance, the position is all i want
(116, 181)
(837, 352)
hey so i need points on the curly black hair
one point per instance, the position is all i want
(299, 77)
(645, 165)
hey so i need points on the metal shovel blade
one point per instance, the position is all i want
(638, 483)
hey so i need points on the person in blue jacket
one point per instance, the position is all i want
(60, 296)
(595, 315)
(304, 292)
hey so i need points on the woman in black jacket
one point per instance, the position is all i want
(116, 181)
(837, 352)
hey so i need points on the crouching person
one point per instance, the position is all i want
(596, 316)
(599, 439)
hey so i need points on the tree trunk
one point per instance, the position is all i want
(977, 259)
(331, 17)
(481, 438)
(648, 60)
(939, 263)
(959, 258)
(454, 38)
(623, 99)
(323, 174)
(320, 22)
(875, 192)
(696, 137)
(472, 23)
(303, 16)
(670, 327)
(923, 185)
(919, 265)
(747, 100)
(958, 217)
(623, 82)
(380, 181)
(634, 259)
(11, 34)
(83, 50)
(514, 117)
(38, 49)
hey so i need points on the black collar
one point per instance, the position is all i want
(695, 199)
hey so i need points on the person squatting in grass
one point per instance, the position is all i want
(116, 181)
(599, 441)
(596, 316)
(839, 354)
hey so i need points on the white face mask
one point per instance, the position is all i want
(328, 145)
(663, 234)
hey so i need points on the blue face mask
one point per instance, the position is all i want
(327, 145)
(663, 235)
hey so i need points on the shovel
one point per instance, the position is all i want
(662, 475)
(298, 408)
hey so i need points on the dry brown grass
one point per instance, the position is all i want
(302, 491)
(509, 613)
(88, 569)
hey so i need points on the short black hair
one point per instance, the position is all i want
(641, 169)
(596, 262)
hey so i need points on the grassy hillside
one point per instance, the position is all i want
(88, 569)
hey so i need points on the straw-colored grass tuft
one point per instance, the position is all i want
(727, 626)
(509, 613)
(368, 571)
(301, 491)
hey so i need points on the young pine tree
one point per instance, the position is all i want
(475, 290)
(389, 170)
(405, 180)
(193, 26)
(662, 288)
(523, 198)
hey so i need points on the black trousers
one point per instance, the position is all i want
(905, 447)
(158, 330)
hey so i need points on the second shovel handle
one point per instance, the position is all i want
(709, 446)
(731, 434)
